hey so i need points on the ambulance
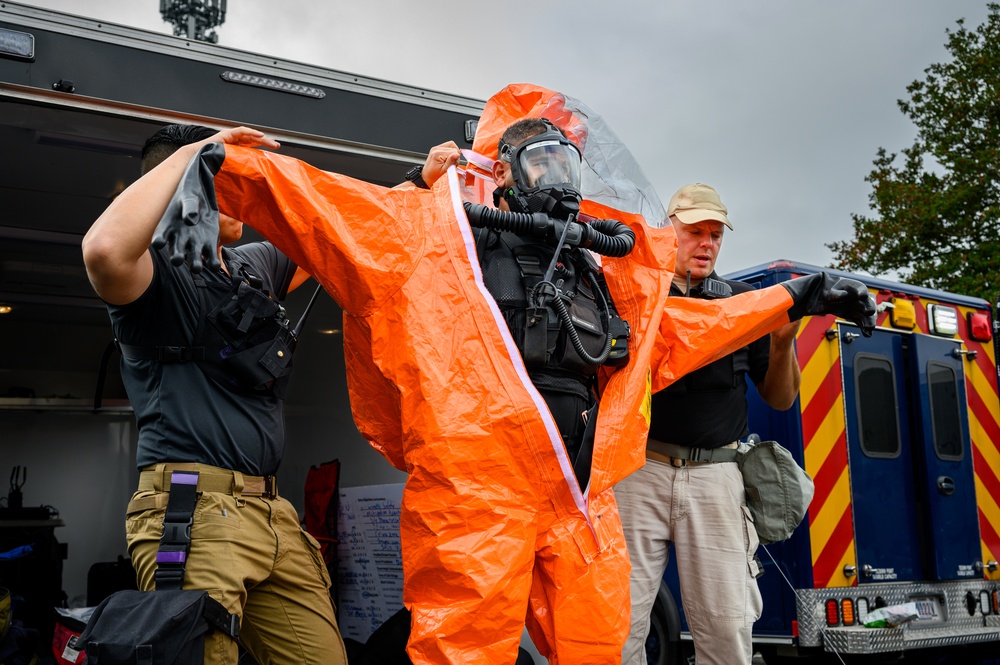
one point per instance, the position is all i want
(900, 432)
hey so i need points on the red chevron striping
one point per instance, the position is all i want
(985, 415)
(833, 551)
(829, 473)
(811, 336)
(987, 476)
(921, 316)
(989, 533)
(987, 367)
(819, 406)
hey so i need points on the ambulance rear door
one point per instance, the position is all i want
(945, 452)
(885, 496)
(909, 456)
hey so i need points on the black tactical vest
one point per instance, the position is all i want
(511, 268)
(244, 339)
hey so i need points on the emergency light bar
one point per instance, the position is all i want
(19, 45)
(943, 320)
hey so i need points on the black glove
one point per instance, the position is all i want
(190, 225)
(825, 294)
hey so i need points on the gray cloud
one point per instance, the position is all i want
(780, 104)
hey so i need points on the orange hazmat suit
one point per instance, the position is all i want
(495, 530)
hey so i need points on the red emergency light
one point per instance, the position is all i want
(979, 326)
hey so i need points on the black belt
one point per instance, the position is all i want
(158, 477)
(680, 456)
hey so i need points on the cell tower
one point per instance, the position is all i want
(194, 19)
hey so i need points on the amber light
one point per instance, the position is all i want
(832, 612)
(847, 611)
(903, 314)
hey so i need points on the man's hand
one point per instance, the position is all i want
(190, 224)
(823, 293)
(782, 380)
(439, 159)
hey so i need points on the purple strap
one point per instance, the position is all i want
(171, 557)
(183, 478)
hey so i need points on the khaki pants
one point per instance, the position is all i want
(251, 555)
(701, 509)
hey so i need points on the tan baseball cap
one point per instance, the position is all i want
(698, 203)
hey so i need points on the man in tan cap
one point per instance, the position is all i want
(700, 506)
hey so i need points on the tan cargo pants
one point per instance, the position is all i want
(701, 509)
(249, 552)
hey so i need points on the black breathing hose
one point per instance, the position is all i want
(607, 237)
(612, 238)
(574, 337)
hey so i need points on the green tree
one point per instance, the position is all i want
(938, 206)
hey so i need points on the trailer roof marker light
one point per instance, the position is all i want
(5, 308)
(273, 84)
(943, 320)
(979, 326)
(832, 612)
(18, 45)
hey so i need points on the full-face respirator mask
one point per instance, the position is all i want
(546, 170)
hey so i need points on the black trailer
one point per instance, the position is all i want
(78, 96)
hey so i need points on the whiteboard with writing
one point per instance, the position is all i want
(370, 569)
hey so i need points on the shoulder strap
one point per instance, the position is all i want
(298, 326)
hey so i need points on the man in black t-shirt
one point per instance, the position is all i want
(204, 360)
(700, 507)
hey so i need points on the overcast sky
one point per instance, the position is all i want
(779, 104)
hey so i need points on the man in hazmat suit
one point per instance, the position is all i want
(496, 530)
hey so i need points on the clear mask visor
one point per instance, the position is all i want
(548, 164)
